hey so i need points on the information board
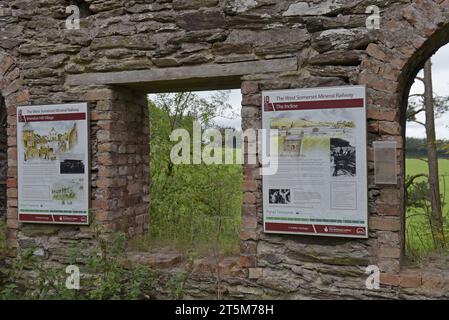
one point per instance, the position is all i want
(53, 164)
(320, 187)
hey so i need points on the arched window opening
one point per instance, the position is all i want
(427, 161)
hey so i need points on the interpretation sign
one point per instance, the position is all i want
(53, 164)
(321, 185)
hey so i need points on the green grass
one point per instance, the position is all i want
(196, 207)
(418, 238)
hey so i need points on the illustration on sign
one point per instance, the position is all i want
(321, 185)
(53, 164)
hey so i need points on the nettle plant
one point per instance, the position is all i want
(104, 275)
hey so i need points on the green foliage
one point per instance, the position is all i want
(417, 148)
(104, 276)
(416, 106)
(419, 238)
(198, 205)
(191, 205)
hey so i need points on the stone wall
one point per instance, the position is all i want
(3, 157)
(125, 49)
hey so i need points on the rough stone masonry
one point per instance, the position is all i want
(126, 49)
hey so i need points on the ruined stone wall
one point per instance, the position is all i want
(301, 44)
(3, 157)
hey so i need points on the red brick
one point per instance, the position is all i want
(375, 51)
(249, 222)
(389, 252)
(248, 234)
(248, 261)
(389, 279)
(249, 210)
(388, 210)
(249, 87)
(99, 94)
(381, 114)
(11, 183)
(249, 186)
(389, 127)
(432, 280)
(23, 96)
(249, 198)
(411, 279)
(12, 223)
(384, 224)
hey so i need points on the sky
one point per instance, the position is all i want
(440, 77)
(440, 83)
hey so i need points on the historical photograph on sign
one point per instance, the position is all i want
(321, 150)
(280, 196)
(343, 158)
(52, 164)
(72, 164)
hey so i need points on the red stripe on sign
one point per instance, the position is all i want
(35, 218)
(70, 219)
(317, 229)
(311, 105)
(52, 218)
(349, 230)
(289, 227)
(53, 117)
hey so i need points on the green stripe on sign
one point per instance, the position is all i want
(52, 211)
(316, 220)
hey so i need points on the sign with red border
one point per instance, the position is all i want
(317, 139)
(53, 164)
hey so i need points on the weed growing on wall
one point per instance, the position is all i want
(104, 276)
(420, 242)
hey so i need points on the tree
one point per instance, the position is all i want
(432, 106)
(191, 204)
(170, 111)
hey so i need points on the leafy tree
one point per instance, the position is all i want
(191, 203)
(432, 106)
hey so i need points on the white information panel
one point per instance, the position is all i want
(53, 164)
(320, 187)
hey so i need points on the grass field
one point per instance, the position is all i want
(196, 207)
(419, 241)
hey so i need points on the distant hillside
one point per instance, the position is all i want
(416, 148)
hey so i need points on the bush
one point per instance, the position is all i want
(103, 276)
(420, 241)
(192, 206)
(198, 206)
